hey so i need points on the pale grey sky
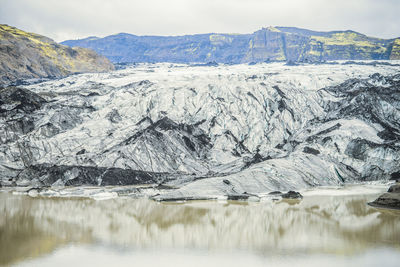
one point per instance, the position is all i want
(72, 19)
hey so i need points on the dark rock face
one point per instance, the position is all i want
(265, 45)
(81, 152)
(367, 100)
(179, 199)
(16, 107)
(15, 100)
(358, 148)
(395, 176)
(310, 150)
(238, 197)
(394, 188)
(374, 100)
(387, 200)
(292, 195)
(163, 136)
(227, 182)
(47, 175)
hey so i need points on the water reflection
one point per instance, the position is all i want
(31, 227)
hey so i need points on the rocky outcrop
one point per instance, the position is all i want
(15, 100)
(389, 200)
(292, 195)
(26, 55)
(394, 188)
(45, 175)
(267, 44)
(395, 52)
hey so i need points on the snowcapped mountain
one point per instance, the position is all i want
(209, 131)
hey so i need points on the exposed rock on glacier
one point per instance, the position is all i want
(44, 175)
(394, 188)
(389, 200)
(15, 105)
(235, 131)
(292, 195)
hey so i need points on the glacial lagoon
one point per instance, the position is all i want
(330, 226)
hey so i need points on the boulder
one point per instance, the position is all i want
(394, 188)
(292, 195)
(388, 201)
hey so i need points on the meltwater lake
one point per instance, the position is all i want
(330, 226)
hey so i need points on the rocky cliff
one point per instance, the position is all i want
(26, 55)
(267, 44)
(395, 50)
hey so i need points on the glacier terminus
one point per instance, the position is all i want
(179, 131)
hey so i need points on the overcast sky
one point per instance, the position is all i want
(72, 19)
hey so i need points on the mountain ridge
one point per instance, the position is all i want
(267, 44)
(25, 55)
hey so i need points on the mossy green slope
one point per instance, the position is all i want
(395, 53)
(26, 55)
(266, 44)
(347, 45)
(283, 43)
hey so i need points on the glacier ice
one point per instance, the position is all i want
(262, 127)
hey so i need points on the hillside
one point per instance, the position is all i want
(26, 55)
(267, 44)
(395, 54)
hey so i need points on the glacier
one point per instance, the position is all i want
(204, 132)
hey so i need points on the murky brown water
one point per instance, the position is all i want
(33, 230)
